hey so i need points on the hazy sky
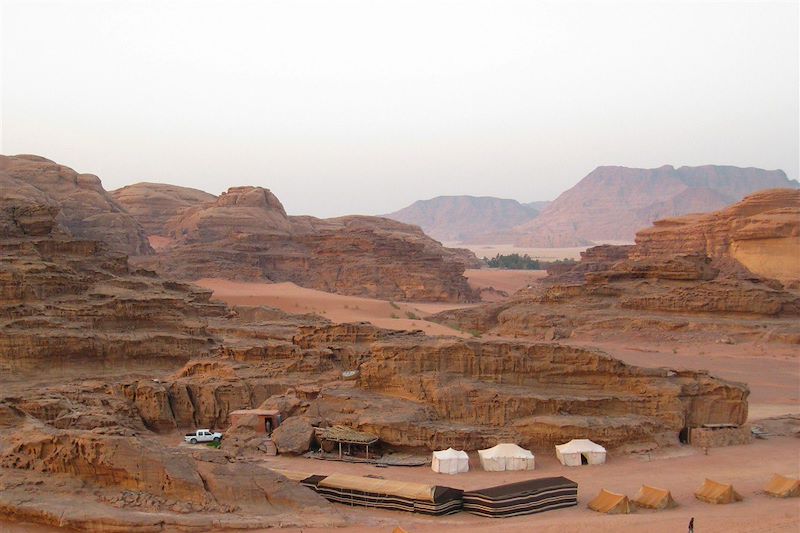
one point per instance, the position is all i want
(365, 106)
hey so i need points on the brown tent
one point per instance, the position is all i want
(654, 498)
(610, 503)
(713, 492)
(783, 487)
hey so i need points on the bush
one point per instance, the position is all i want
(514, 262)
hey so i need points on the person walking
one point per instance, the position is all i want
(691, 525)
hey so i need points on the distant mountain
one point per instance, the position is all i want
(612, 203)
(465, 218)
(539, 206)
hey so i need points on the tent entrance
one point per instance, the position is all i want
(584, 459)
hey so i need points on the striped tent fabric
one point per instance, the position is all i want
(524, 497)
(387, 494)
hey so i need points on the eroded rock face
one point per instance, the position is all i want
(154, 204)
(612, 203)
(245, 234)
(762, 232)
(83, 207)
(94, 452)
(684, 276)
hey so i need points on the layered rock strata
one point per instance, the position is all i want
(246, 235)
(683, 278)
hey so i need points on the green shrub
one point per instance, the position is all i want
(514, 262)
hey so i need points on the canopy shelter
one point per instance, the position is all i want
(783, 487)
(506, 456)
(610, 503)
(713, 492)
(521, 498)
(387, 494)
(339, 435)
(654, 498)
(580, 451)
(450, 461)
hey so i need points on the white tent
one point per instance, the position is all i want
(506, 457)
(575, 451)
(450, 461)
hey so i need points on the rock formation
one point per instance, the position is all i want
(612, 203)
(100, 362)
(246, 235)
(66, 300)
(762, 233)
(466, 218)
(83, 207)
(153, 204)
(732, 272)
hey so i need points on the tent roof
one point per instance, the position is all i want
(506, 449)
(450, 453)
(579, 446)
(610, 502)
(782, 486)
(346, 435)
(404, 489)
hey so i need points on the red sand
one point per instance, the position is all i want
(680, 470)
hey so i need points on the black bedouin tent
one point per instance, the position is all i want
(524, 497)
(386, 494)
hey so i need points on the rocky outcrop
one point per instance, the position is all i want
(154, 204)
(294, 436)
(66, 301)
(612, 203)
(465, 218)
(762, 232)
(83, 208)
(100, 362)
(683, 276)
(247, 235)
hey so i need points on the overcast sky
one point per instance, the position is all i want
(366, 106)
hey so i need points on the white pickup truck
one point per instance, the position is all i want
(202, 435)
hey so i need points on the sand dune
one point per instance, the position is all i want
(336, 307)
(340, 308)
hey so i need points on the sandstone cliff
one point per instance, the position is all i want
(612, 203)
(83, 207)
(733, 272)
(153, 204)
(762, 232)
(246, 234)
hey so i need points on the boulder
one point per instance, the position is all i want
(294, 436)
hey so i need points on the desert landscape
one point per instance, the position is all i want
(393, 267)
(134, 360)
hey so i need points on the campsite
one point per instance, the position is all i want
(680, 471)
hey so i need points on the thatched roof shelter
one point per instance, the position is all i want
(345, 435)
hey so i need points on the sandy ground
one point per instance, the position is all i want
(336, 307)
(681, 470)
(339, 308)
(550, 254)
(509, 281)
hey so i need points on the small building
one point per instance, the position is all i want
(260, 420)
(336, 436)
